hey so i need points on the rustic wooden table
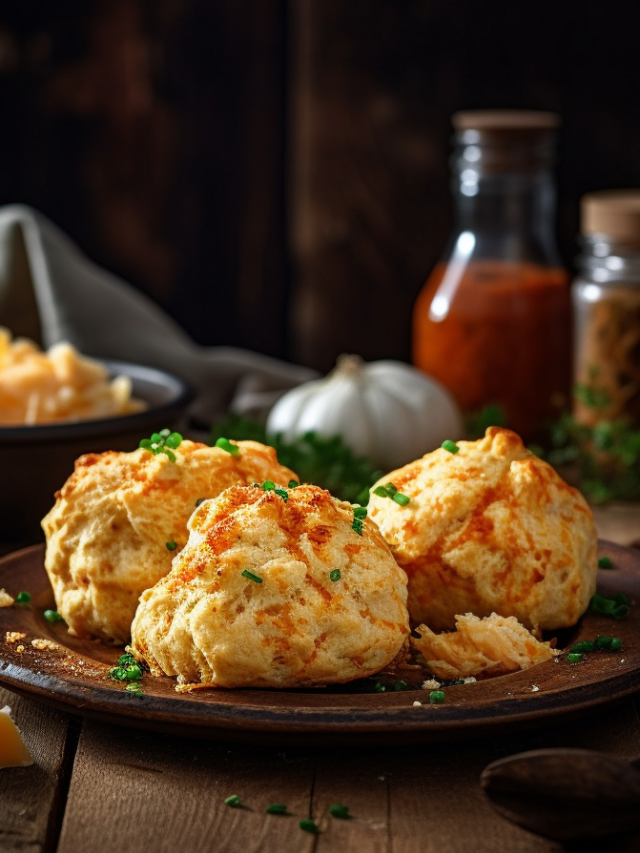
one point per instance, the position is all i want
(104, 788)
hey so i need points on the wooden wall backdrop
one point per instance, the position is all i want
(274, 172)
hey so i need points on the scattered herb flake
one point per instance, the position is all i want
(604, 563)
(436, 697)
(247, 574)
(171, 545)
(309, 825)
(23, 598)
(450, 446)
(233, 801)
(225, 444)
(52, 616)
(339, 811)
(277, 808)
(335, 575)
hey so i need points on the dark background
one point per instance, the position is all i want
(275, 173)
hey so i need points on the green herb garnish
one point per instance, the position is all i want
(436, 697)
(277, 808)
(268, 486)
(359, 515)
(52, 616)
(23, 598)
(247, 574)
(604, 563)
(339, 811)
(574, 657)
(164, 441)
(608, 644)
(615, 606)
(582, 647)
(225, 444)
(400, 685)
(389, 490)
(326, 462)
(171, 545)
(233, 801)
(379, 688)
(135, 688)
(450, 446)
(309, 826)
(335, 575)
(282, 493)
(293, 484)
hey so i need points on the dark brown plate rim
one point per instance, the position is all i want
(74, 677)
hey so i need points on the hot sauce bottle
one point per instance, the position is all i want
(492, 323)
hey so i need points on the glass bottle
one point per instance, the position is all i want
(492, 323)
(606, 306)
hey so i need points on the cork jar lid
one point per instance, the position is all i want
(505, 140)
(614, 213)
(506, 121)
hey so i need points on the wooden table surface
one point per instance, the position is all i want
(109, 789)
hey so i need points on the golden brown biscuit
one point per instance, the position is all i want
(107, 534)
(490, 528)
(494, 645)
(271, 592)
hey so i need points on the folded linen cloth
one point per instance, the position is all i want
(50, 292)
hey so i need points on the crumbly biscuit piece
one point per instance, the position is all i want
(108, 531)
(491, 528)
(494, 645)
(251, 601)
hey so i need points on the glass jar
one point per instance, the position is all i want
(606, 305)
(493, 320)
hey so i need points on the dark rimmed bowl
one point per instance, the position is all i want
(35, 461)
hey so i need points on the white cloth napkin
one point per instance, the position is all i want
(51, 292)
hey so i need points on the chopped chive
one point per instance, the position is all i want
(615, 606)
(133, 672)
(582, 647)
(335, 575)
(171, 545)
(23, 597)
(309, 826)
(604, 563)
(233, 801)
(436, 697)
(339, 811)
(389, 490)
(357, 525)
(247, 574)
(268, 485)
(379, 688)
(225, 444)
(293, 484)
(126, 659)
(574, 657)
(134, 687)
(450, 446)
(117, 673)
(160, 442)
(608, 644)
(282, 493)
(52, 616)
(400, 685)
(360, 511)
(277, 808)
(401, 499)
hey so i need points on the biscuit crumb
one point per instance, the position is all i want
(42, 644)
(14, 636)
(430, 684)
(6, 600)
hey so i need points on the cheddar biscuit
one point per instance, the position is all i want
(120, 519)
(490, 528)
(275, 590)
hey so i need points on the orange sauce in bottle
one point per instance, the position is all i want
(498, 332)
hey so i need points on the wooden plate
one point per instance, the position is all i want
(73, 676)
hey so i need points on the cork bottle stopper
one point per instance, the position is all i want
(614, 213)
